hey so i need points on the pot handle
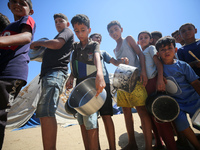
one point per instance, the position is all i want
(158, 92)
(114, 90)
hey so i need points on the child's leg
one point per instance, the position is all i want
(110, 131)
(49, 132)
(158, 139)
(166, 132)
(190, 135)
(146, 126)
(89, 130)
(84, 137)
(130, 128)
(93, 139)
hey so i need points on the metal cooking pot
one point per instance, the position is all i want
(70, 110)
(83, 99)
(37, 54)
(162, 106)
(125, 77)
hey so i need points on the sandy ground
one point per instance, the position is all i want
(69, 138)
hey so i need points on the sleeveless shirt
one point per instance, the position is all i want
(126, 51)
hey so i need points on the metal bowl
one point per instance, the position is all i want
(125, 78)
(83, 99)
(37, 54)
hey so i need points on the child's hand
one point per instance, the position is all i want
(69, 83)
(125, 60)
(143, 78)
(100, 84)
(34, 45)
(160, 85)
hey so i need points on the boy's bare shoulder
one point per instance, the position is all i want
(129, 38)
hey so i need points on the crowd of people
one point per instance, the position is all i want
(155, 56)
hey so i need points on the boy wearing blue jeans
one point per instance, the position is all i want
(86, 55)
(53, 74)
(189, 96)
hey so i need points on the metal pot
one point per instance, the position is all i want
(125, 77)
(162, 107)
(37, 54)
(70, 110)
(83, 99)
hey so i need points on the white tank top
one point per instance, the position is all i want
(126, 51)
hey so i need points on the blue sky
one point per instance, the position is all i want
(134, 16)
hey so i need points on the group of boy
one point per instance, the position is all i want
(87, 55)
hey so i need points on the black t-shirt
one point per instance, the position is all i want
(58, 59)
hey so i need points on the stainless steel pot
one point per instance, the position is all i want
(37, 54)
(162, 106)
(125, 77)
(83, 99)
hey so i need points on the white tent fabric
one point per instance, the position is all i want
(25, 105)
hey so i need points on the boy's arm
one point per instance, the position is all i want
(135, 47)
(69, 83)
(123, 60)
(195, 63)
(51, 44)
(99, 82)
(160, 81)
(18, 39)
(196, 85)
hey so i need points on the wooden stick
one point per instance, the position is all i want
(193, 55)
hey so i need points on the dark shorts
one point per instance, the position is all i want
(151, 85)
(107, 108)
(9, 89)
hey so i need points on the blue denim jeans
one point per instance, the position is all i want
(52, 86)
(90, 122)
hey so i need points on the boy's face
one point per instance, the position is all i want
(115, 32)
(144, 40)
(167, 53)
(155, 38)
(187, 32)
(82, 32)
(60, 24)
(97, 38)
(177, 37)
(19, 8)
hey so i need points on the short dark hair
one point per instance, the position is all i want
(95, 34)
(29, 3)
(164, 41)
(185, 25)
(60, 15)
(112, 23)
(156, 33)
(146, 33)
(175, 32)
(4, 22)
(81, 19)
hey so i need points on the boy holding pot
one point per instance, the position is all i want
(86, 57)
